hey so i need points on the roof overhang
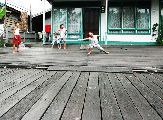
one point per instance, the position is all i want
(71, 0)
(75, 3)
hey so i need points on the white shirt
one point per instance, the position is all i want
(62, 32)
(94, 40)
(16, 32)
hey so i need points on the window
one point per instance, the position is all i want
(74, 20)
(59, 17)
(131, 19)
(128, 17)
(71, 18)
(115, 17)
(143, 21)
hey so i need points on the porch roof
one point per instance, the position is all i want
(75, 3)
(24, 6)
(91, 0)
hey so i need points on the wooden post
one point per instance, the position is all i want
(52, 21)
(5, 26)
(43, 22)
(106, 19)
(30, 29)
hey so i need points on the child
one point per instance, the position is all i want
(55, 40)
(16, 38)
(62, 35)
(94, 43)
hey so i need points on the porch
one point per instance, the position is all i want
(67, 94)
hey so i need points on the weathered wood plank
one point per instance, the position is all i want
(159, 76)
(91, 109)
(59, 68)
(117, 69)
(150, 84)
(144, 108)
(89, 68)
(149, 95)
(9, 83)
(11, 75)
(109, 104)
(128, 109)
(25, 104)
(32, 77)
(38, 109)
(55, 110)
(155, 80)
(73, 110)
(6, 71)
(9, 102)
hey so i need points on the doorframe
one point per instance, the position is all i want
(99, 20)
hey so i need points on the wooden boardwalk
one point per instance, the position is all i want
(34, 94)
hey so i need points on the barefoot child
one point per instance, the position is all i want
(55, 40)
(16, 38)
(62, 35)
(94, 43)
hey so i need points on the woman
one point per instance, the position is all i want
(16, 38)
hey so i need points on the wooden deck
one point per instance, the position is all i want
(34, 94)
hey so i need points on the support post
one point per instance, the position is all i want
(30, 19)
(106, 19)
(5, 26)
(52, 21)
(43, 22)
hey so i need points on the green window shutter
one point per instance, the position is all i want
(60, 17)
(114, 18)
(143, 20)
(74, 22)
(129, 19)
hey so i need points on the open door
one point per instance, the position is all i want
(90, 21)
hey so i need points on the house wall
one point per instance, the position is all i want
(131, 38)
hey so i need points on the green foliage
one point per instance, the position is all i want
(2, 43)
(2, 12)
(160, 35)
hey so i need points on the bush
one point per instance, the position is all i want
(160, 35)
(159, 40)
(2, 43)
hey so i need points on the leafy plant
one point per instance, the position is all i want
(160, 35)
(2, 12)
(157, 33)
(1, 43)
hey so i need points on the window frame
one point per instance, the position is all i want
(135, 30)
(78, 34)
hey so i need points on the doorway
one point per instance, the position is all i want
(90, 21)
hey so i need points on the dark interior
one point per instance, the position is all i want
(91, 21)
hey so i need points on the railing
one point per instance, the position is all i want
(25, 36)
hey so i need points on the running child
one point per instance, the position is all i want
(16, 38)
(94, 43)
